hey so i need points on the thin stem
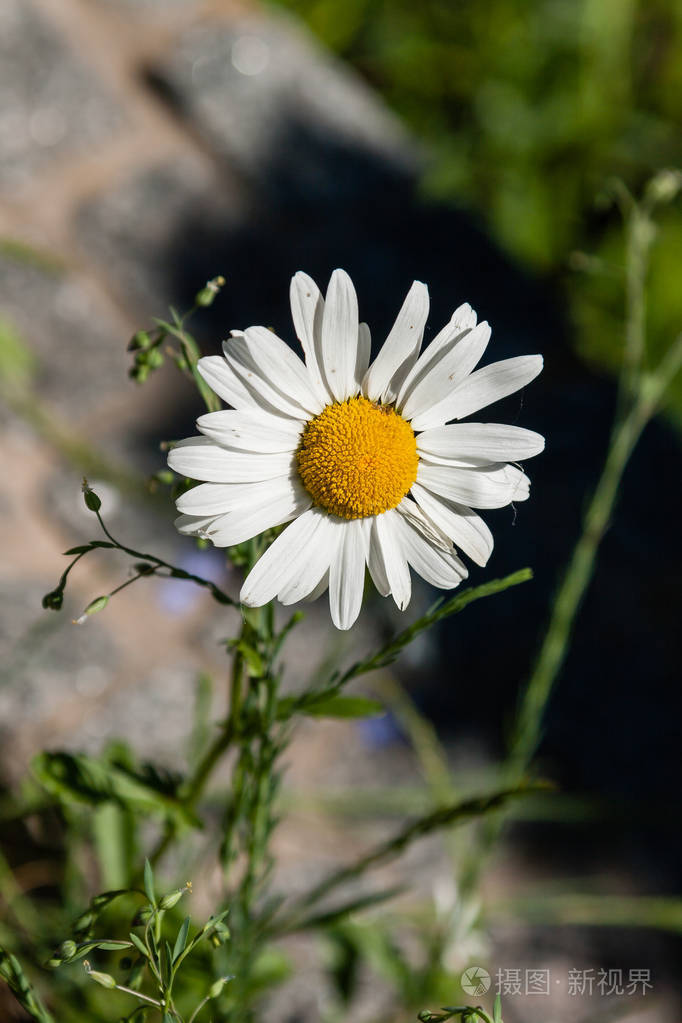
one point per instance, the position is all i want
(177, 573)
(200, 1006)
(640, 395)
(571, 592)
(138, 994)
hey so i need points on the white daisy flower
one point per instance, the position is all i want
(358, 456)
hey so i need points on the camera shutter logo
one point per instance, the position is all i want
(475, 980)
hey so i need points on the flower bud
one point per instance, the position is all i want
(67, 949)
(53, 601)
(172, 898)
(218, 986)
(664, 186)
(92, 501)
(207, 294)
(105, 979)
(155, 358)
(139, 340)
(98, 604)
(84, 922)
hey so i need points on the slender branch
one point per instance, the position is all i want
(176, 573)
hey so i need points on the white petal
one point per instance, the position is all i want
(220, 498)
(482, 388)
(375, 563)
(194, 525)
(385, 536)
(520, 483)
(263, 361)
(223, 382)
(488, 486)
(251, 431)
(446, 374)
(272, 510)
(347, 574)
(281, 561)
(323, 543)
(307, 310)
(364, 352)
(411, 511)
(401, 348)
(462, 321)
(209, 462)
(483, 442)
(340, 336)
(467, 529)
(440, 568)
(321, 587)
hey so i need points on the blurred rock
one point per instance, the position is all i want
(52, 103)
(133, 228)
(80, 357)
(241, 84)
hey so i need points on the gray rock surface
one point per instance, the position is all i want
(242, 85)
(53, 105)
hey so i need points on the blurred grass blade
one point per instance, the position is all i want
(332, 916)
(658, 912)
(443, 817)
(12, 971)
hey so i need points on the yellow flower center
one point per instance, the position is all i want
(358, 458)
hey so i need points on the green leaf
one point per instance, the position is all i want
(329, 707)
(76, 778)
(139, 945)
(180, 941)
(497, 1009)
(149, 882)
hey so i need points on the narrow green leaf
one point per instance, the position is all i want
(139, 945)
(87, 946)
(497, 1009)
(180, 941)
(330, 707)
(149, 882)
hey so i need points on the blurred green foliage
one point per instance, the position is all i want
(527, 110)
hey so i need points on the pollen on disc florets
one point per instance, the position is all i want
(358, 458)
